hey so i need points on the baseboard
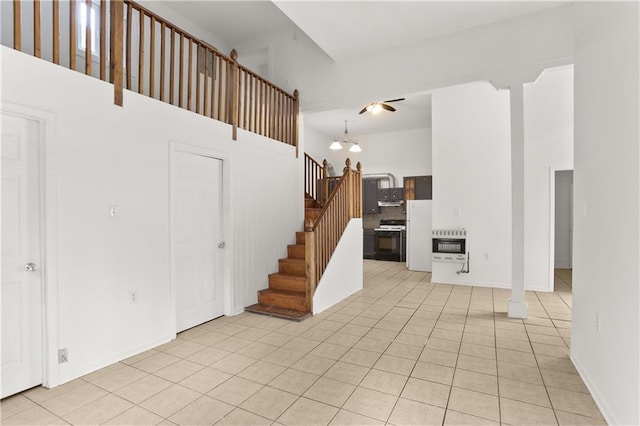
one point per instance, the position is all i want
(604, 408)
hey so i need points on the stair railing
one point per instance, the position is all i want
(323, 234)
(314, 177)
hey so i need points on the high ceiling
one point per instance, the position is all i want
(345, 30)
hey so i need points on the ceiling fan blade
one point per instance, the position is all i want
(395, 100)
(388, 107)
(363, 110)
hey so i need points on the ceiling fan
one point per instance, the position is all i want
(376, 107)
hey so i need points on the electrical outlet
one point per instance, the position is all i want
(63, 355)
(133, 296)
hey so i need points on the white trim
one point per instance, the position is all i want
(48, 237)
(227, 225)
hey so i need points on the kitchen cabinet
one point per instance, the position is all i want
(370, 196)
(418, 187)
(396, 194)
(383, 194)
(368, 244)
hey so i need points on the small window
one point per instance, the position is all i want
(94, 26)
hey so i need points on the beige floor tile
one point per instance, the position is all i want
(479, 339)
(479, 382)
(343, 339)
(478, 350)
(408, 412)
(119, 378)
(346, 372)
(511, 334)
(170, 400)
(516, 357)
(456, 418)
(233, 343)
(185, 348)
(454, 336)
(355, 329)
(525, 392)
(74, 399)
(329, 350)
(14, 405)
(235, 390)
(205, 380)
(484, 331)
(536, 329)
(203, 411)
(571, 419)
(139, 357)
(155, 362)
(275, 339)
(313, 364)
(434, 356)
(364, 321)
(294, 381)
(546, 339)
(443, 345)
(300, 345)
(563, 364)
(330, 391)
(426, 392)
(252, 334)
(384, 381)
(518, 413)
(403, 351)
(330, 325)
(573, 402)
(348, 418)
(142, 389)
(474, 403)
(99, 411)
(395, 364)
(317, 334)
(35, 415)
(408, 338)
(372, 345)
(269, 402)
(179, 370)
(233, 364)
(370, 403)
(39, 394)
(257, 350)
(240, 417)
(360, 357)
(285, 357)
(451, 326)
(550, 350)
(519, 372)
(433, 372)
(479, 365)
(566, 381)
(262, 372)
(207, 356)
(514, 345)
(210, 339)
(135, 416)
(308, 412)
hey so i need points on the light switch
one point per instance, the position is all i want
(113, 210)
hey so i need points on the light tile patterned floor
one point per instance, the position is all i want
(400, 352)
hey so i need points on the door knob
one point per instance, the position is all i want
(30, 267)
(222, 245)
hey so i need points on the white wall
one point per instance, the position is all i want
(477, 54)
(563, 219)
(344, 273)
(606, 207)
(401, 153)
(105, 155)
(472, 180)
(548, 144)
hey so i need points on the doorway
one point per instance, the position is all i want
(197, 237)
(22, 281)
(563, 234)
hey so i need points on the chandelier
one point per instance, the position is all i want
(346, 139)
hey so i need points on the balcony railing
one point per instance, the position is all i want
(125, 44)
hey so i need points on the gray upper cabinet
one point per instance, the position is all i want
(370, 196)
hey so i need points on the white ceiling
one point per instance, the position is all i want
(345, 30)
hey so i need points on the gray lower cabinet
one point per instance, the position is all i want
(368, 243)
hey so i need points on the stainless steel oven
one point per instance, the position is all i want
(390, 240)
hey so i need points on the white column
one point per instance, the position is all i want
(517, 304)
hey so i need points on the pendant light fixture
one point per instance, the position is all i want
(338, 141)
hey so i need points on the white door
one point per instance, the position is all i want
(21, 258)
(419, 235)
(197, 198)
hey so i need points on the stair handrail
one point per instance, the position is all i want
(323, 234)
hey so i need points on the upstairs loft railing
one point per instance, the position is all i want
(133, 48)
(323, 234)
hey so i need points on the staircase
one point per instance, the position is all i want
(286, 295)
(291, 289)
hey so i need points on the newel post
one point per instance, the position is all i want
(358, 189)
(349, 183)
(325, 181)
(235, 94)
(309, 262)
(296, 110)
(116, 50)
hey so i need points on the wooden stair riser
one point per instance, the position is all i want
(300, 238)
(282, 299)
(287, 282)
(295, 251)
(291, 267)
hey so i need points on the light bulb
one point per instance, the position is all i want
(335, 145)
(355, 148)
(376, 108)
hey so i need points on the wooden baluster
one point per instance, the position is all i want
(252, 118)
(246, 100)
(103, 40)
(56, 31)
(190, 75)
(129, 41)
(141, 53)
(37, 51)
(205, 93)
(358, 185)
(152, 56)
(296, 97)
(325, 180)
(181, 72)
(87, 38)
(17, 25)
(214, 61)
(163, 43)
(235, 94)
(198, 65)
(260, 97)
(172, 65)
(310, 262)
(115, 70)
(220, 87)
(73, 20)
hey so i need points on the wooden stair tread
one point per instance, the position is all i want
(278, 312)
(288, 294)
(289, 276)
(291, 259)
